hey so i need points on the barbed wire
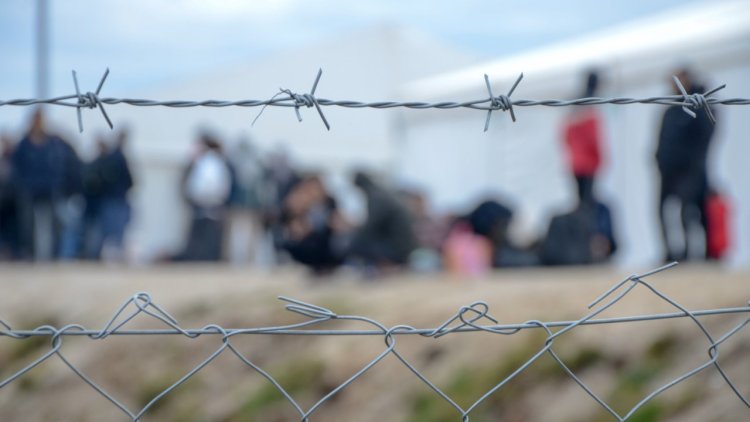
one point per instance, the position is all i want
(474, 317)
(690, 103)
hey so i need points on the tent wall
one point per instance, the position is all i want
(447, 153)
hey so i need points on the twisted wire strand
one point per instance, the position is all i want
(690, 103)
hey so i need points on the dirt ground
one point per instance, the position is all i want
(136, 369)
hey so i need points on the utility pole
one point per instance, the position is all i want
(42, 49)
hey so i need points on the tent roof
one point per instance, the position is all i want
(677, 32)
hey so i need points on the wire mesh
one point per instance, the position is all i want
(474, 317)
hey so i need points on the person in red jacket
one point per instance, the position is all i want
(582, 135)
(585, 235)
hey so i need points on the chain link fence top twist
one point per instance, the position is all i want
(474, 317)
(691, 103)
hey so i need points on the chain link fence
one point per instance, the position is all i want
(474, 317)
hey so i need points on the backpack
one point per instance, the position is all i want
(568, 238)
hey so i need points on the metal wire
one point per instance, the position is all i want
(471, 318)
(690, 103)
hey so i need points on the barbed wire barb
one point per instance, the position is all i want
(308, 100)
(502, 102)
(696, 101)
(90, 100)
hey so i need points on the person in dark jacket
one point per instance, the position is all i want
(387, 236)
(681, 157)
(492, 219)
(45, 172)
(311, 226)
(107, 181)
(71, 205)
(8, 211)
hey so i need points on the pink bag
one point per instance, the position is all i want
(465, 252)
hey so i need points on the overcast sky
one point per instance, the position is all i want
(149, 42)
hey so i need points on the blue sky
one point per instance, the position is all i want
(149, 42)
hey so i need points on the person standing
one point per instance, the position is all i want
(206, 187)
(585, 234)
(245, 232)
(8, 212)
(279, 180)
(681, 157)
(107, 181)
(44, 172)
(582, 135)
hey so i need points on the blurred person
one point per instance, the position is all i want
(582, 135)
(206, 187)
(312, 224)
(93, 190)
(579, 237)
(116, 209)
(386, 238)
(279, 179)
(281, 174)
(491, 219)
(430, 231)
(46, 175)
(107, 181)
(71, 206)
(246, 203)
(8, 208)
(585, 234)
(681, 157)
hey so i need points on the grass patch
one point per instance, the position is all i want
(157, 384)
(636, 382)
(469, 384)
(650, 412)
(585, 358)
(663, 347)
(22, 351)
(297, 378)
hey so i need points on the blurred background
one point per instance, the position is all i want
(374, 51)
(394, 194)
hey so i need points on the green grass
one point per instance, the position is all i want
(469, 384)
(637, 381)
(297, 377)
(155, 385)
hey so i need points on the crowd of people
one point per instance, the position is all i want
(236, 200)
(54, 205)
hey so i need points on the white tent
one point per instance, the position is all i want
(447, 153)
(367, 65)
